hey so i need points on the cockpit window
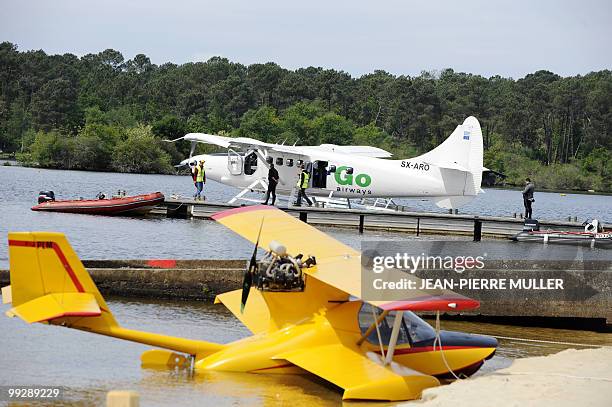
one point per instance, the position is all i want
(413, 328)
(250, 164)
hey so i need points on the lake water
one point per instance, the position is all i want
(97, 237)
(90, 365)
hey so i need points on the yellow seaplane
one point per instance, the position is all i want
(302, 302)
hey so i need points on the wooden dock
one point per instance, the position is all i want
(394, 221)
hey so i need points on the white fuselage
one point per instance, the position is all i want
(371, 177)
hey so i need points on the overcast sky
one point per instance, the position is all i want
(487, 37)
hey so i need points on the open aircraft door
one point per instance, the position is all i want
(319, 174)
(234, 162)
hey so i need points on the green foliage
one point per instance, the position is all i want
(540, 124)
(94, 146)
(169, 127)
(333, 129)
(140, 152)
(261, 124)
(53, 150)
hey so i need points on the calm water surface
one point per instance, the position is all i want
(90, 365)
(97, 237)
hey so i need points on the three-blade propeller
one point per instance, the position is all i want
(248, 274)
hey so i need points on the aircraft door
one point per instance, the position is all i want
(250, 163)
(234, 162)
(319, 174)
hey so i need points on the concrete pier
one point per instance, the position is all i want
(589, 295)
(397, 221)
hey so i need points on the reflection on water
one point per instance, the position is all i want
(90, 365)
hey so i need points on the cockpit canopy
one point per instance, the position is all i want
(413, 329)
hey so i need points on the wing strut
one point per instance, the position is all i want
(394, 334)
(380, 343)
(377, 320)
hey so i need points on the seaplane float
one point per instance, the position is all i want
(302, 302)
(593, 235)
(450, 175)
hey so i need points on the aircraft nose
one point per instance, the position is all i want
(451, 338)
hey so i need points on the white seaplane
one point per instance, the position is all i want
(450, 174)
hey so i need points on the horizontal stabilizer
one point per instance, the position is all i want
(361, 377)
(451, 166)
(57, 305)
(452, 202)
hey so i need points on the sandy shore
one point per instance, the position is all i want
(568, 378)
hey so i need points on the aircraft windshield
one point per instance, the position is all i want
(413, 329)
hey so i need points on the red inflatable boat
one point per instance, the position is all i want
(125, 205)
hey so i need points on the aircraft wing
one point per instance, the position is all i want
(240, 143)
(360, 377)
(338, 265)
(363, 151)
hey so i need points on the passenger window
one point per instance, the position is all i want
(289, 162)
(279, 161)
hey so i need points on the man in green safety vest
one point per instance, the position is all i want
(302, 184)
(200, 180)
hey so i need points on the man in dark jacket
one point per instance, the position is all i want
(528, 197)
(272, 183)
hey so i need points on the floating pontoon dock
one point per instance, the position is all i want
(397, 221)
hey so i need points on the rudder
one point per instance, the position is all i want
(46, 272)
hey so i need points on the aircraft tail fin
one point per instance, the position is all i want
(50, 284)
(460, 159)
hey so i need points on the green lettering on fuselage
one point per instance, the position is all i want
(342, 178)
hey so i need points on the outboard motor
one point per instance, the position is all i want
(531, 225)
(46, 196)
(592, 226)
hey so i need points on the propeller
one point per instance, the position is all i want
(248, 275)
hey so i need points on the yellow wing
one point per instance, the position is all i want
(338, 265)
(361, 377)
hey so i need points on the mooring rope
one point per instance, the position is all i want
(553, 342)
(438, 340)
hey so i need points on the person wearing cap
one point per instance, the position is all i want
(199, 175)
(193, 172)
(302, 184)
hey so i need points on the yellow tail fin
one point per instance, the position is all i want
(50, 284)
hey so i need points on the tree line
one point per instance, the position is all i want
(102, 112)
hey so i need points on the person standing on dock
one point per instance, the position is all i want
(528, 199)
(302, 184)
(200, 178)
(273, 179)
(194, 173)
